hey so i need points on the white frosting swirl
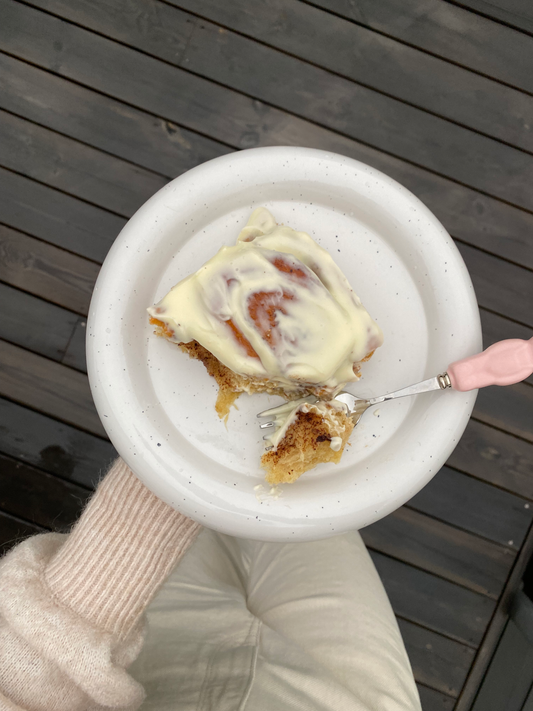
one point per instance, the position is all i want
(283, 416)
(274, 306)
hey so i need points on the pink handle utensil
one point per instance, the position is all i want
(503, 363)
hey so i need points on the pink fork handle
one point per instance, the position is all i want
(503, 363)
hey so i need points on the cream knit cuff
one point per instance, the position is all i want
(119, 553)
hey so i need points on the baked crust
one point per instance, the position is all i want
(307, 441)
(230, 384)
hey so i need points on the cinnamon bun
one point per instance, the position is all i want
(274, 314)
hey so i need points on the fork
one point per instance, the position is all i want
(503, 363)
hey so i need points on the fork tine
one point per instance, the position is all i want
(266, 424)
(285, 407)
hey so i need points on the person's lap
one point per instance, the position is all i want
(250, 626)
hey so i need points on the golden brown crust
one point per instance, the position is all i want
(306, 443)
(227, 380)
(230, 384)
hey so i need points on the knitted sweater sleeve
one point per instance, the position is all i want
(71, 607)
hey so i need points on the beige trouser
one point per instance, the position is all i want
(249, 626)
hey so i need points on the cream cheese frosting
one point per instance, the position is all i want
(285, 415)
(274, 306)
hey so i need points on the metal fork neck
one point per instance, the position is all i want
(441, 382)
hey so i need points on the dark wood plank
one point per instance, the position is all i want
(441, 549)
(75, 353)
(516, 13)
(476, 507)
(510, 675)
(359, 54)
(437, 662)
(13, 530)
(57, 276)
(48, 387)
(509, 408)
(51, 326)
(496, 328)
(447, 31)
(495, 629)
(56, 217)
(164, 147)
(143, 81)
(360, 113)
(150, 26)
(46, 271)
(434, 700)
(231, 59)
(101, 121)
(496, 457)
(434, 603)
(528, 705)
(468, 215)
(53, 446)
(41, 498)
(504, 288)
(75, 168)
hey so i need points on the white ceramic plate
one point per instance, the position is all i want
(157, 406)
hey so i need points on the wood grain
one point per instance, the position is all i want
(53, 446)
(504, 288)
(43, 499)
(360, 54)
(437, 662)
(516, 13)
(102, 121)
(509, 409)
(496, 627)
(48, 387)
(75, 168)
(443, 550)
(495, 457)
(75, 356)
(360, 113)
(447, 31)
(247, 67)
(152, 26)
(46, 271)
(51, 327)
(434, 603)
(165, 147)
(56, 217)
(476, 507)
(433, 700)
(143, 81)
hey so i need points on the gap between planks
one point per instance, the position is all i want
(500, 219)
(440, 32)
(495, 627)
(255, 22)
(215, 87)
(497, 12)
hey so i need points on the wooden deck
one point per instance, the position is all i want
(101, 103)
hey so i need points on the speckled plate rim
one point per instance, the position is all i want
(107, 342)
